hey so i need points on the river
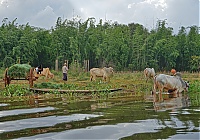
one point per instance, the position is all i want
(60, 116)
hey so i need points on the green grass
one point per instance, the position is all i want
(194, 92)
(131, 82)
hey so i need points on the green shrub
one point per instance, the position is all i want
(194, 93)
(19, 70)
(14, 90)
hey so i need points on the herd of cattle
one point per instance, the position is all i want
(170, 83)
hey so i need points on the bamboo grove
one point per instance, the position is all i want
(124, 47)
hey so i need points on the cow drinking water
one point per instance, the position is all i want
(169, 83)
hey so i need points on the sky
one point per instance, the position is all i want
(44, 13)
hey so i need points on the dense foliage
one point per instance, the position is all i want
(124, 47)
(19, 70)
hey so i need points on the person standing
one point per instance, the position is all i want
(64, 71)
(40, 69)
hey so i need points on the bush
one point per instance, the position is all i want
(15, 90)
(19, 70)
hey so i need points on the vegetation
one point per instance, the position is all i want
(19, 70)
(124, 47)
(195, 92)
(132, 83)
(129, 47)
(15, 90)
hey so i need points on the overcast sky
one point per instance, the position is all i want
(44, 13)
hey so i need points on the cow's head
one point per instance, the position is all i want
(111, 69)
(178, 74)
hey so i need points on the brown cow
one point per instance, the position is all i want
(45, 72)
(170, 83)
(105, 73)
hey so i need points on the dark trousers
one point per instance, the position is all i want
(65, 76)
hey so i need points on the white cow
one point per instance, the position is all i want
(170, 83)
(105, 73)
(149, 73)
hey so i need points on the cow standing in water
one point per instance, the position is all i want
(149, 73)
(105, 73)
(170, 83)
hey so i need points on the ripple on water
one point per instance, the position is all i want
(2, 104)
(24, 111)
(42, 122)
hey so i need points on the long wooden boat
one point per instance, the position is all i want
(72, 91)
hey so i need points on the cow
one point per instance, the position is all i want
(105, 73)
(45, 72)
(173, 84)
(149, 73)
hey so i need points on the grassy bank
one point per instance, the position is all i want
(132, 83)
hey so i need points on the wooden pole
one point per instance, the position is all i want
(88, 65)
(56, 65)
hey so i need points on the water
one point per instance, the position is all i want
(90, 117)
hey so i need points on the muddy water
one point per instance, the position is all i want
(65, 117)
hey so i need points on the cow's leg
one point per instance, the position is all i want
(108, 79)
(154, 92)
(160, 94)
(176, 93)
(91, 77)
(146, 77)
(94, 78)
(154, 95)
(105, 79)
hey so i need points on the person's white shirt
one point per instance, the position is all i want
(37, 70)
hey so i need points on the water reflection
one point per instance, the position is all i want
(24, 111)
(172, 103)
(3, 104)
(42, 122)
(117, 131)
(104, 131)
(57, 117)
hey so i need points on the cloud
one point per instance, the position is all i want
(182, 13)
(44, 13)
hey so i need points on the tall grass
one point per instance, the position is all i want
(194, 92)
